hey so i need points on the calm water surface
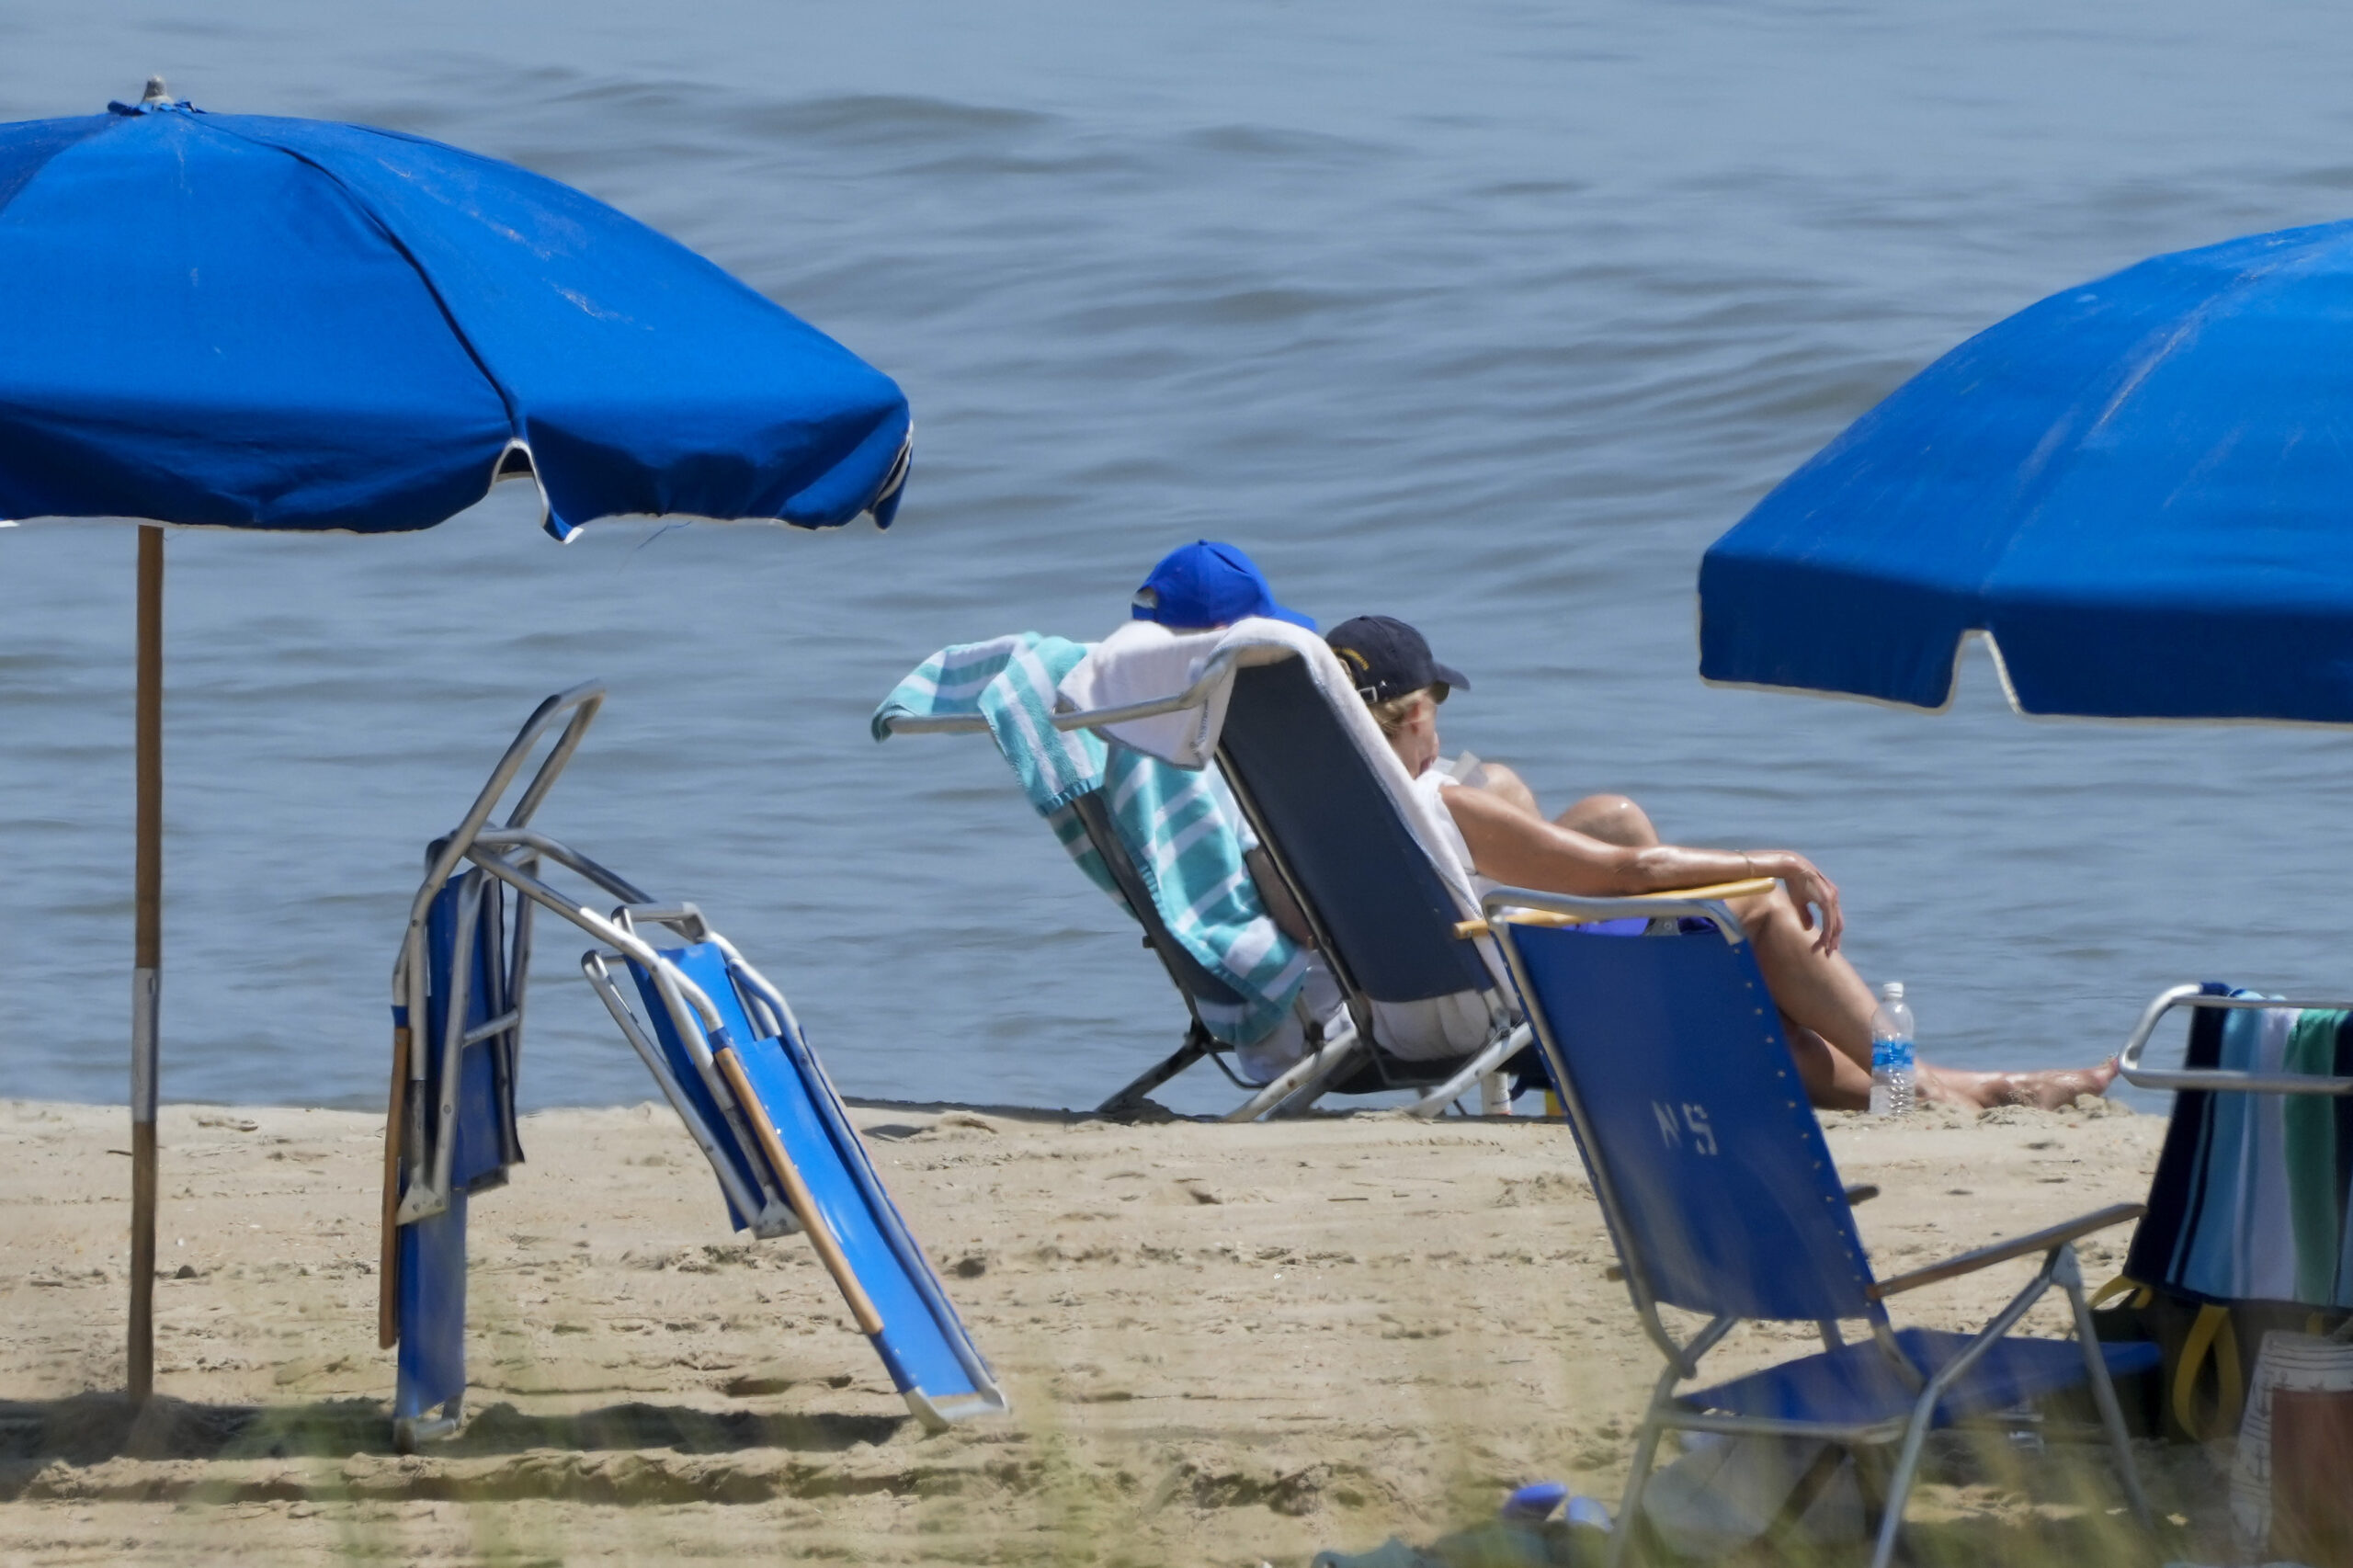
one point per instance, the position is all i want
(1489, 315)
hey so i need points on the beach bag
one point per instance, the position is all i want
(2291, 1479)
(2249, 1231)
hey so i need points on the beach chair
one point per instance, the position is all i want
(1721, 1198)
(720, 1040)
(1392, 924)
(2250, 1214)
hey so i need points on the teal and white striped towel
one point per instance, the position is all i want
(1179, 826)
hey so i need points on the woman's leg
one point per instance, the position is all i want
(1824, 998)
(1831, 1081)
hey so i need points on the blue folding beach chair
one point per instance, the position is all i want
(1722, 1199)
(720, 1040)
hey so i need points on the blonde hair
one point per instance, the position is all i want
(1398, 712)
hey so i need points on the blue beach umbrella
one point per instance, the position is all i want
(232, 321)
(2140, 490)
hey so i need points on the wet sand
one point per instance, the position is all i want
(1224, 1345)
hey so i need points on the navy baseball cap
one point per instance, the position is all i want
(1205, 585)
(1387, 658)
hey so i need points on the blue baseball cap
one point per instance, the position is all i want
(1203, 585)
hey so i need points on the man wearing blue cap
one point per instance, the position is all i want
(1203, 585)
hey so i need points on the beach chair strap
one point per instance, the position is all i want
(2116, 1290)
(2212, 1334)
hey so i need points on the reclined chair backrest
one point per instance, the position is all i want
(1708, 1164)
(1382, 914)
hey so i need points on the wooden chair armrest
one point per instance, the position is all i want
(2002, 1252)
(1465, 930)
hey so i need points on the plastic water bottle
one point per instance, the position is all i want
(1892, 1064)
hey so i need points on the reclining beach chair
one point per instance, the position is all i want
(1389, 916)
(1722, 1199)
(720, 1040)
(1197, 881)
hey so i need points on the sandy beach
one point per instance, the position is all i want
(1224, 1345)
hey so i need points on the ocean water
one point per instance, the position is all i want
(1489, 315)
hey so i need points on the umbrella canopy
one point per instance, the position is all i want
(2140, 489)
(235, 321)
(245, 322)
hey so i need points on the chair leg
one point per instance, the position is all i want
(1629, 1506)
(1329, 1064)
(2070, 1279)
(1899, 1484)
(1306, 1078)
(1196, 1046)
(1491, 1055)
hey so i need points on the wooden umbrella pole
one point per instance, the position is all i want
(147, 960)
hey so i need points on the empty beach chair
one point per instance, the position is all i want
(454, 1102)
(721, 1043)
(1722, 1199)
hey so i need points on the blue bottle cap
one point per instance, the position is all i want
(1534, 1501)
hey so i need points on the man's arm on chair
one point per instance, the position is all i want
(1509, 846)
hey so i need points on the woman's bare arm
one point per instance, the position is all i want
(1509, 846)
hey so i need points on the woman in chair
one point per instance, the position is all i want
(1605, 846)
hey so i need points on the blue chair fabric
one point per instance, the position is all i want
(1326, 819)
(1856, 1385)
(1719, 1176)
(431, 1295)
(923, 1343)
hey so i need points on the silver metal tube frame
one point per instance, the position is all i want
(2226, 1079)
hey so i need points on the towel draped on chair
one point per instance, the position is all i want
(1179, 827)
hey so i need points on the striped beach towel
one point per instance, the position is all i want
(2250, 1201)
(1179, 825)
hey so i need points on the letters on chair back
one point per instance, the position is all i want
(1727, 1195)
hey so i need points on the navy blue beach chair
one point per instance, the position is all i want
(1383, 918)
(1719, 1195)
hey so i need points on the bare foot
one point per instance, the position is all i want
(2046, 1091)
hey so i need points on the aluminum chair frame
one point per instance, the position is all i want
(512, 856)
(2059, 1269)
(2221, 1079)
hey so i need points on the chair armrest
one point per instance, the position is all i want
(1466, 930)
(2002, 1252)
